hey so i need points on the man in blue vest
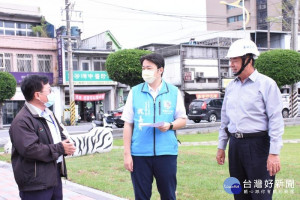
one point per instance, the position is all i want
(153, 111)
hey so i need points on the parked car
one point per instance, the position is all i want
(205, 109)
(114, 117)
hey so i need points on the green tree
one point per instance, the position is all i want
(8, 86)
(124, 66)
(41, 29)
(281, 65)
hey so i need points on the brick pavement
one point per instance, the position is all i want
(71, 191)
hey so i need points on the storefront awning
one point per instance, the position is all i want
(204, 94)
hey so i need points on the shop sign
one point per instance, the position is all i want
(89, 77)
(89, 97)
(19, 76)
(207, 95)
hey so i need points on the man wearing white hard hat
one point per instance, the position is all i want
(251, 120)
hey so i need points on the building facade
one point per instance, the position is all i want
(222, 16)
(95, 93)
(23, 52)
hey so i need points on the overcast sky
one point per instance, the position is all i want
(132, 22)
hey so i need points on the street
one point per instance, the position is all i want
(81, 128)
(191, 128)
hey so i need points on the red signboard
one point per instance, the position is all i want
(89, 97)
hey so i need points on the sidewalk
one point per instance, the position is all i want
(71, 191)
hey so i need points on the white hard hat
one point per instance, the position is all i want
(242, 47)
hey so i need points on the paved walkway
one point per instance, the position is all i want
(71, 191)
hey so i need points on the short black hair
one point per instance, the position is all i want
(156, 58)
(32, 84)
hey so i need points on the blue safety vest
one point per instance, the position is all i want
(150, 141)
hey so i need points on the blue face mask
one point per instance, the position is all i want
(51, 100)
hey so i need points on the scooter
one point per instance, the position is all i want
(89, 116)
(103, 122)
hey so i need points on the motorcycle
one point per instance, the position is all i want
(103, 122)
(89, 116)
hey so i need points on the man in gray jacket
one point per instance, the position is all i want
(38, 144)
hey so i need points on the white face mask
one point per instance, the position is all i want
(51, 100)
(148, 76)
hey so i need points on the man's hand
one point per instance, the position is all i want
(220, 157)
(68, 147)
(164, 127)
(128, 163)
(273, 164)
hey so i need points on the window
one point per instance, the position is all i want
(9, 32)
(21, 33)
(75, 65)
(8, 62)
(85, 66)
(109, 45)
(29, 26)
(99, 66)
(9, 24)
(229, 7)
(224, 62)
(21, 25)
(44, 63)
(16, 28)
(235, 18)
(240, 18)
(24, 62)
(30, 33)
(10, 110)
(230, 19)
(5, 61)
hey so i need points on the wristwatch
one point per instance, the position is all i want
(171, 126)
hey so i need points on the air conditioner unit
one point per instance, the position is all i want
(199, 74)
(224, 74)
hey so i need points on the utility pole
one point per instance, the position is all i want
(294, 46)
(70, 65)
(269, 40)
(244, 23)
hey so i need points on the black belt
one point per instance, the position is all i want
(240, 135)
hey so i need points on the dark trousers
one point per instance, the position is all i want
(53, 193)
(163, 168)
(248, 163)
